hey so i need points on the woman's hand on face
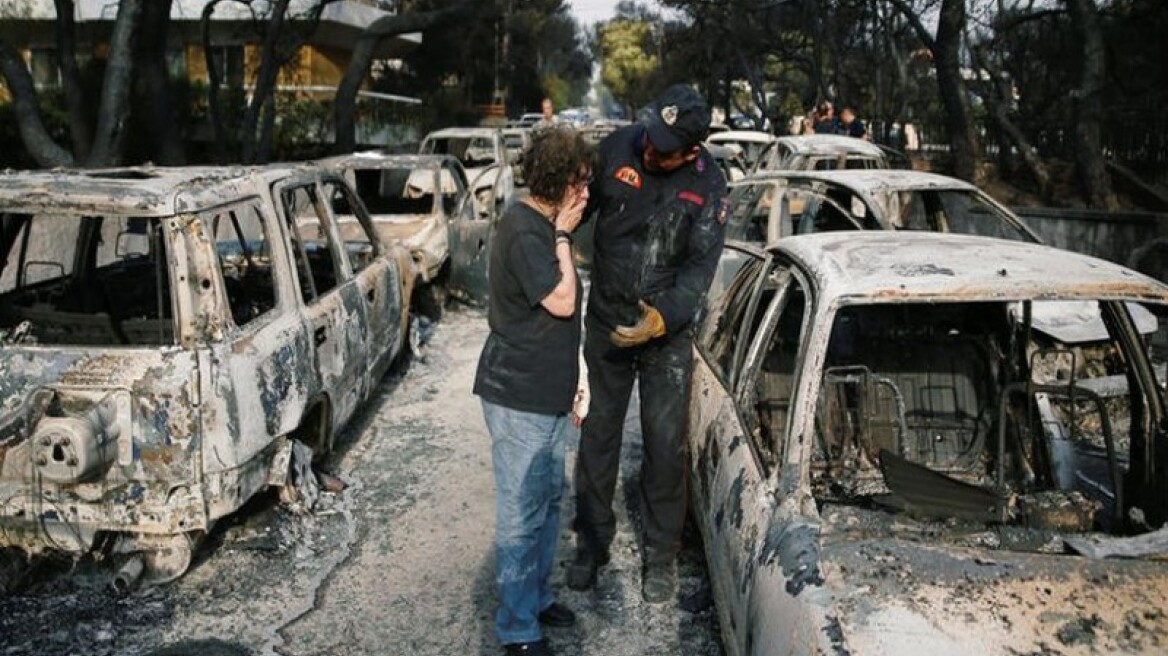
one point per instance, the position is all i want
(572, 210)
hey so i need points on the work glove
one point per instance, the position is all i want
(649, 326)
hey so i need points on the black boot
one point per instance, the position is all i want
(582, 571)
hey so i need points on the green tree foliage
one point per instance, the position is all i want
(627, 63)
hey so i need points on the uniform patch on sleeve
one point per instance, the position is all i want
(629, 176)
(723, 210)
(692, 197)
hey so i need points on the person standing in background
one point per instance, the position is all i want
(852, 126)
(548, 116)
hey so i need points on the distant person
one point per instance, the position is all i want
(527, 379)
(912, 141)
(548, 116)
(852, 126)
(825, 119)
(807, 124)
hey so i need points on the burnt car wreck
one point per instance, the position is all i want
(168, 337)
(909, 443)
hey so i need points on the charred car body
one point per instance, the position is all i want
(888, 456)
(819, 152)
(768, 207)
(169, 335)
(483, 153)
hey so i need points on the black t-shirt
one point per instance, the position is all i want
(529, 361)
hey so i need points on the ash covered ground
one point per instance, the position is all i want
(399, 562)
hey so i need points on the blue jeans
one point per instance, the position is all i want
(527, 450)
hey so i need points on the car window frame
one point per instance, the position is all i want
(253, 204)
(360, 214)
(289, 231)
(753, 358)
(710, 323)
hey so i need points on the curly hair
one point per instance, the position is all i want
(555, 159)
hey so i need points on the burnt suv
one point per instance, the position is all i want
(167, 336)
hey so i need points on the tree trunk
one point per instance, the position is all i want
(154, 85)
(80, 121)
(345, 101)
(997, 99)
(958, 115)
(1088, 99)
(37, 141)
(110, 135)
(219, 137)
(265, 83)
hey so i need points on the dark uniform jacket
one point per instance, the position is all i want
(658, 236)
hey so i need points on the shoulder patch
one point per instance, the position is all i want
(629, 176)
(692, 197)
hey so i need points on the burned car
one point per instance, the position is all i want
(516, 140)
(819, 152)
(483, 153)
(751, 143)
(419, 201)
(776, 205)
(887, 457)
(173, 340)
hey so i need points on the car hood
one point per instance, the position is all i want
(900, 597)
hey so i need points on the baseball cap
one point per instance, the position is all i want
(680, 119)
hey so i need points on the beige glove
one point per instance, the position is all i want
(649, 326)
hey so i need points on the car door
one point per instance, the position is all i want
(332, 302)
(378, 278)
(470, 239)
(719, 466)
(754, 348)
(506, 185)
(775, 552)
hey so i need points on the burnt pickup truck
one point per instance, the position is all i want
(167, 338)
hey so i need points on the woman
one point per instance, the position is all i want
(527, 379)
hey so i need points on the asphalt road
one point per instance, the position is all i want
(400, 562)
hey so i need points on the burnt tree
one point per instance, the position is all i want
(345, 103)
(945, 48)
(105, 144)
(1088, 106)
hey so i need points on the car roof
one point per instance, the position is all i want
(884, 266)
(135, 191)
(379, 159)
(754, 136)
(871, 181)
(455, 133)
(832, 144)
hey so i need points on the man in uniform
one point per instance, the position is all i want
(658, 202)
